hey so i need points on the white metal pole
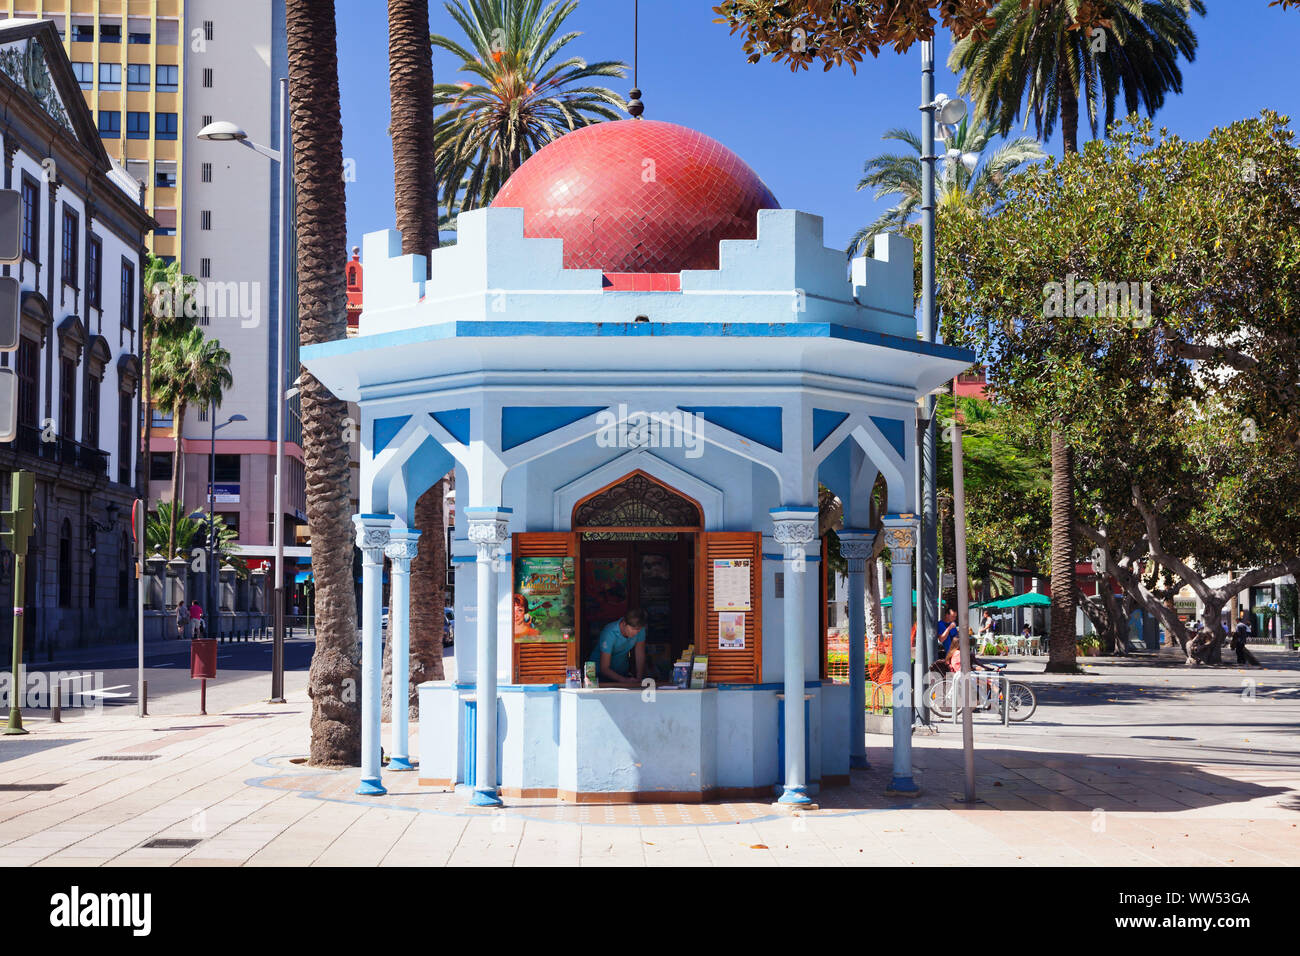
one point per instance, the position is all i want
(277, 611)
(963, 611)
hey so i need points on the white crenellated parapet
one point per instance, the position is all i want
(493, 273)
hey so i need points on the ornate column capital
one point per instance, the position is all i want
(372, 536)
(900, 537)
(856, 548)
(402, 548)
(488, 529)
(794, 528)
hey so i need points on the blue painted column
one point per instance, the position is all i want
(855, 548)
(900, 538)
(372, 538)
(795, 529)
(488, 531)
(403, 546)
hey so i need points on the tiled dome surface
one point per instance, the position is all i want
(637, 196)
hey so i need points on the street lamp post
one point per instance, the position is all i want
(213, 567)
(946, 112)
(222, 131)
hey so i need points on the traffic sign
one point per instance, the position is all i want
(11, 225)
(11, 295)
(8, 404)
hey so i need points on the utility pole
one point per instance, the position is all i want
(963, 607)
(19, 520)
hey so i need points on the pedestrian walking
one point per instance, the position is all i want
(1239, 635)
(197, 628)
(182, 619)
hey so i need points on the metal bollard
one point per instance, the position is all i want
(144, 698)
(56, 706)
(1006, 700)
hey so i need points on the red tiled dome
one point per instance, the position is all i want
(637, 196)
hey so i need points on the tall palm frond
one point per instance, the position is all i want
(522, 96)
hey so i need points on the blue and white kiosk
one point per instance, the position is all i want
(640, 368)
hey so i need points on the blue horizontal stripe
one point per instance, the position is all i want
(745, 330)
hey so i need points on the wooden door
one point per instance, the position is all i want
(542, 662)
(733, 665)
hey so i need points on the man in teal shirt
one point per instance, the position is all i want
(619, 654)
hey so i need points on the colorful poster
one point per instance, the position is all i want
(731, 584)
(543, 600)
(731, 630)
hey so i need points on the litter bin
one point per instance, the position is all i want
(203, 658)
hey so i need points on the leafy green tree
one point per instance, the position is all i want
(1141, 301)
(899, 175)
(163, 314)
(523, 97)
(189, 370)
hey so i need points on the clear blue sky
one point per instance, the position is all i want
(806, 134)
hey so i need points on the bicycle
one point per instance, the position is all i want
(1021, 702)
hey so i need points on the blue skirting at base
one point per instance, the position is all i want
(794, 795)
(902, 785)
(400, 763)
(371, 787)
(485, 798)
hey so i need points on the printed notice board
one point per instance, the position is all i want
(731, 584)
(543, 600)
(731, 630)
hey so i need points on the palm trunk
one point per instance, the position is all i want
(321, 220)
(178, 484)
(1069, 110)
(1060, 645)
(410, 84)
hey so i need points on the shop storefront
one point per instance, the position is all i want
(640, 385)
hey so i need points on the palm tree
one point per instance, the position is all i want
(900, 175)
(162, 315)
(158, 528)
(321, 221)
(1032, 59)
(189, 370)
(410, 82)
(522, 99)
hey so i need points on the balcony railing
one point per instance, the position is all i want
(63, 451)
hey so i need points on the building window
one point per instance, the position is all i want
(110, 124)
(110, 33)
(203, 409)
(69, 247)
(31, 219)
(203, 316)
(125, 412)
(83, 33)
(137, 126)
(85, 74)
(165, 125)
(205, 268)
(225, 469)
(166, 78)
(207, 119)
(137, 76)
(138, 36)
(128, 294)
(29, 379)
(65, 564)
(166, 260)
(207, 77)
(165, 231)
(68, 398)
(110, 76)
(94, 272)
(160, 466)
(165, 175)
(91, 431)
(206, 173)
(168, 32)
(160, 418)
(207, 29)
(205, 219)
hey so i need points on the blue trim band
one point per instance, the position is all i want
(810, 558)
(803, 509)
(489, 510)
(390, 517)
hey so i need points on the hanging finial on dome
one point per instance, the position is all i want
(634, 105)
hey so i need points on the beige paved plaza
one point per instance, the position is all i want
(1130, 765)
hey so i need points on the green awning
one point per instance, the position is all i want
(889, 601)
(1032, 599)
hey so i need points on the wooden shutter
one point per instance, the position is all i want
(737, 665)
(545, 663)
